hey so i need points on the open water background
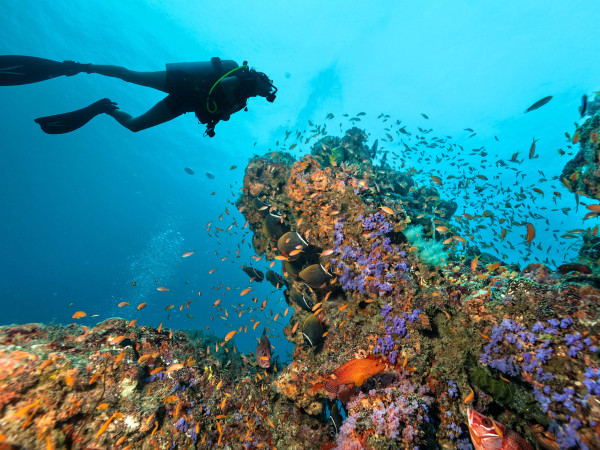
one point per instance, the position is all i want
(85, 214)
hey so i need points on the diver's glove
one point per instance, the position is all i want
(73, 68)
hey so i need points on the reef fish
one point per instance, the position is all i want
(356, 372)
(487, 434)
(263, 351)
(337, 416)
(573, 267)
(539, 104)
(254, 273)
(312, 330)
(334, 413)
(275, 279)
(290, 242)
(315, 275)
(583, 107)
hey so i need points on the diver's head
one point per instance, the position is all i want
(263, 86)
(258, 84)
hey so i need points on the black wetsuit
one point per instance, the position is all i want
(188, 85)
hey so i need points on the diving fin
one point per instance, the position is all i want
(67, 122)
(17, 69)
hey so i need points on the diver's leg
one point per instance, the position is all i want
(156, 80)
(159, 113)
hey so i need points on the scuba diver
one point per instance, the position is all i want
(213, 90)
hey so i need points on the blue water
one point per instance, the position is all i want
(85, 214)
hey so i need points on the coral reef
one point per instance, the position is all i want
(135, 387)
(401, 286)
(394, 315)
(580, 175)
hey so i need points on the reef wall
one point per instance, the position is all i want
(581, 175)
(371, 255)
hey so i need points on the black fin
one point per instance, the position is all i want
(16, 69)
(67, 122)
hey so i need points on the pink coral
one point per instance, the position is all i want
(346, 438)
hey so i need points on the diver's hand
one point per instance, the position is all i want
(108, 105)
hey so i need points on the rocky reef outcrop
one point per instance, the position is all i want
(454, 326)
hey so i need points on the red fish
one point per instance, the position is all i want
(263, 351)
(487, 434)
(356, 372)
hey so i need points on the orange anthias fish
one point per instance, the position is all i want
(263, 351)
(356, 372)
(487, 434)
